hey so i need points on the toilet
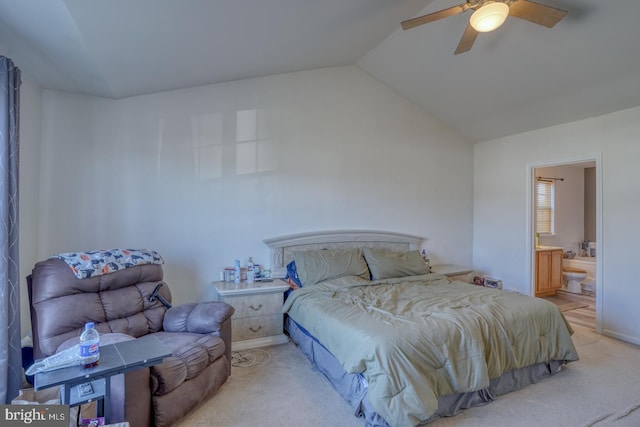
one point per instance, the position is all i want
(572, 277)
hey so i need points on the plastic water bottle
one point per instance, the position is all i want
(251, 272)
(89, 346)
(237, 271)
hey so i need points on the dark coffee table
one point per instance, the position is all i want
(80, 385)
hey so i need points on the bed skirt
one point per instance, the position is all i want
(353, 387)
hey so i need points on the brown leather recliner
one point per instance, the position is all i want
(198, 335)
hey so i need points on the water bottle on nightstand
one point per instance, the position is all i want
(251, 273)
(237, 271)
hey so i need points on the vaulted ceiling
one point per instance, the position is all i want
(517, 78)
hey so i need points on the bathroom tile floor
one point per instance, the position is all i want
(579, 309)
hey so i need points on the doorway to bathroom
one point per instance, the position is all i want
(565, 219)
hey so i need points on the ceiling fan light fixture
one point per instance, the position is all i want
(489, 17)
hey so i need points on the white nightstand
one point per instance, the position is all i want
(455, 272)
(257, 321)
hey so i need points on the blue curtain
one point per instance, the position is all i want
(10, 352)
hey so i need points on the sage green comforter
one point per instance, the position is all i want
(420, 337)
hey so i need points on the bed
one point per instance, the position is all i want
(405, 346)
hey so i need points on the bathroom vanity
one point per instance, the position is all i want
(548, 270)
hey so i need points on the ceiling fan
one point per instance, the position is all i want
(489, 15)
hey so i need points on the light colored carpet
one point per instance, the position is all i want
(629, 417)
(602, 389)
(280, 389)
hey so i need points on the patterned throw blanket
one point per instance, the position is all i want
(95, 263)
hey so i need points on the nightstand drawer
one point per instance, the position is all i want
(256, 305)
(255, 327)
(257, 321)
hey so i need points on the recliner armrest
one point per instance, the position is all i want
(201, 318)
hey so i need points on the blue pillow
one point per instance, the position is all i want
(292, 274)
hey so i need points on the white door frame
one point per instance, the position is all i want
(530, 231)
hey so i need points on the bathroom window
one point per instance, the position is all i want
(545, 201)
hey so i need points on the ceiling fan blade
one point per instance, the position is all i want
(424, 19)
(467, 40)
(537, 13)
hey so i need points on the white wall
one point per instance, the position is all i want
(590, 204)
(203, 175)
(500, 229)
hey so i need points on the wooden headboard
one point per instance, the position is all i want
(283, 247)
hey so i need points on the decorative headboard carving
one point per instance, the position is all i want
(283, 247)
